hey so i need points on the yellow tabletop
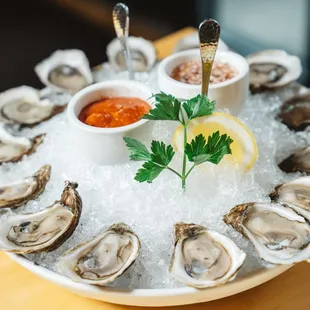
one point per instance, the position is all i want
(21, 290)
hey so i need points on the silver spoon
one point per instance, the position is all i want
(121, 25)
(209, 35)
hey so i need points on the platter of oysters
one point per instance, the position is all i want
(94, 230)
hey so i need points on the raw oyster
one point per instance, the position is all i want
(279, 234)
(22, 105)
(270, 69)
(45, 230)
(65, 71)
(13, 148)
(102, 259)
(203, 258)
(142, 52)
(18, 193)
(298, 161)
(295, 112)
(296, 194)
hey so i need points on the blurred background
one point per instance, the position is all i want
(31, 30)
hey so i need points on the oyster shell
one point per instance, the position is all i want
(203, 258)
(279, 234)
(295, 112)
(298, 161)
(22, 105)
(45, 230)
(18, 193)
(65, 71)
(102, 259)
(142, 52)
(296, 193)
(271, 69)
(13, 148)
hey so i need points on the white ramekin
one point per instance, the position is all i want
(104, 146)
(230, 94)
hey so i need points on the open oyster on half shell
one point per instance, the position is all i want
(142, 52)
(13, 148)
(65, 71)
(102, 259)
(203, 258)
(298, 161)
(278, 233)
(20, 192)
(272, 69)
(295, 112)
(45, 230)
(296, 194)
(22, 105)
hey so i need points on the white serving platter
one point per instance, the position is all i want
(154, 297)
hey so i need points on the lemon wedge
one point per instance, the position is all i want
(244, 147)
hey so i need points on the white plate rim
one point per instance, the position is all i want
(153, 297)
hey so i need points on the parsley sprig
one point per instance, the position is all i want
(198, 151)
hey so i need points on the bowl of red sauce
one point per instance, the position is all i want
(100, 116)
(180, 75)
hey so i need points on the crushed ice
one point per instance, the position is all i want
(111, 195)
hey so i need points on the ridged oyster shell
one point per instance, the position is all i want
(45, 230)
(203, 258)
(298, 161)
(271, 69)
(22, 105)
(13, 148)
(278, 233)
(296, 194)
(295, 112)
(102, 259)
(142, 52)
(65, 71)
(20, 192)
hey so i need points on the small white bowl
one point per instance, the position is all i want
(230, 94)
(104, 146)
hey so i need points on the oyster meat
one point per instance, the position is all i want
(65, 71)
(298, 161)
(13, 148)
(18, 193)
(104, 258)
(270, 69)
(296, 194)
(142, 52)
(203, 258)
(22, 105)
(279, 234)
(45, 230)
(295, 112)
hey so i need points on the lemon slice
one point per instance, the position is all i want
(244, 147)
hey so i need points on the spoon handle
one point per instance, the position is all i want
(121, 25)
(209, 35)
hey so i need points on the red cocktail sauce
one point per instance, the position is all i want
(114, 112)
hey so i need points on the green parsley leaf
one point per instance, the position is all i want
(155, 162)
(198, 106)
(167, 107)
(161, 154)
(200, 151)
(138, 150)
(148, 172)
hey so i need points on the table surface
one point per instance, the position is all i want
(20, 289)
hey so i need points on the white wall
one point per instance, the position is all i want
(272, 23)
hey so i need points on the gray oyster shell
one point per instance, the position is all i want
(20, 192)
(45, 230)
